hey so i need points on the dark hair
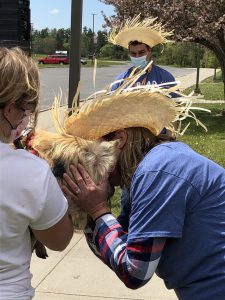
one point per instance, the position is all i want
(135, 43)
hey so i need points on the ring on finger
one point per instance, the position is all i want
(77, 191)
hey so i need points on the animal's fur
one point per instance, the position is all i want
(62, 150)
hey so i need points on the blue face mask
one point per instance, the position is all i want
(139, 62)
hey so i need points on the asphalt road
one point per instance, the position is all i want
(54, 79)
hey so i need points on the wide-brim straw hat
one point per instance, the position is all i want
(145, 31)
(100, 116)
(149, 106)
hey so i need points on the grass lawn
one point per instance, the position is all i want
(103, 63)
(211, 143)
(100, 63)
(212, 90)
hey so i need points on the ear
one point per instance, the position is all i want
(121, 136)
(43, 142)
(149, 56)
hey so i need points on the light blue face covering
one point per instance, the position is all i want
(139, 62)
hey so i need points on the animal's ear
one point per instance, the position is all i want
(43, 142)
(121, 136)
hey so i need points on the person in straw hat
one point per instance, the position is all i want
(139, 37)
(174, 223)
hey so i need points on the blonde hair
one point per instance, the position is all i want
(20, 81)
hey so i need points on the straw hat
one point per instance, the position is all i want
(145, 31)
(105, 114)
(148, 106)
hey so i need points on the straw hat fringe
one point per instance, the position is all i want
(149, 106)
(146, 31)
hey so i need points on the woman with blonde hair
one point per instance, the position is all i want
(29, 194)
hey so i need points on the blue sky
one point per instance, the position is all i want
(57, 13)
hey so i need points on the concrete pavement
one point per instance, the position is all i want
(190, 79)
(76, 274)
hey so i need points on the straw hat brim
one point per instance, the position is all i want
(98, 117)
(142, 35)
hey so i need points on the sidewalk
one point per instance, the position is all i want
(189, 80)
(76, 274)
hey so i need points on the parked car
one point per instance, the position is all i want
(54, 59)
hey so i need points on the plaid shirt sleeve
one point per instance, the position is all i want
(133, 261)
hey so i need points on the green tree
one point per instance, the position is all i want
(101, 41)
(86, 42)
(113, 51)
(60, 38)
(44, 33)
(44, 45)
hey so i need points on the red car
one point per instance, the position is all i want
(54, 59)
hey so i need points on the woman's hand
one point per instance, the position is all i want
(85, 193)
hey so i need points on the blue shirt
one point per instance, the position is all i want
(157, 75)
(179, 194)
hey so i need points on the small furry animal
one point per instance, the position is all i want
(62, 150)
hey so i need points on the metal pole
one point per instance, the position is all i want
(31, 38)
(197, 88)
(75, 52)
(93, 37)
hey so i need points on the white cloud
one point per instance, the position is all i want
(54, 11)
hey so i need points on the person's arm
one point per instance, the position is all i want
(134, 262)
(53, 226)
(58, 236)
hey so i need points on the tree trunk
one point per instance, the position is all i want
(222, 64)
(214, 76)
(220, 54)
(221, 58)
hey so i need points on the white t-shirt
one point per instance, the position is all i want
(29, 196)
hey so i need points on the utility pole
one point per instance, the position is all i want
(31, 38)
(93, 37)
(75, 52)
